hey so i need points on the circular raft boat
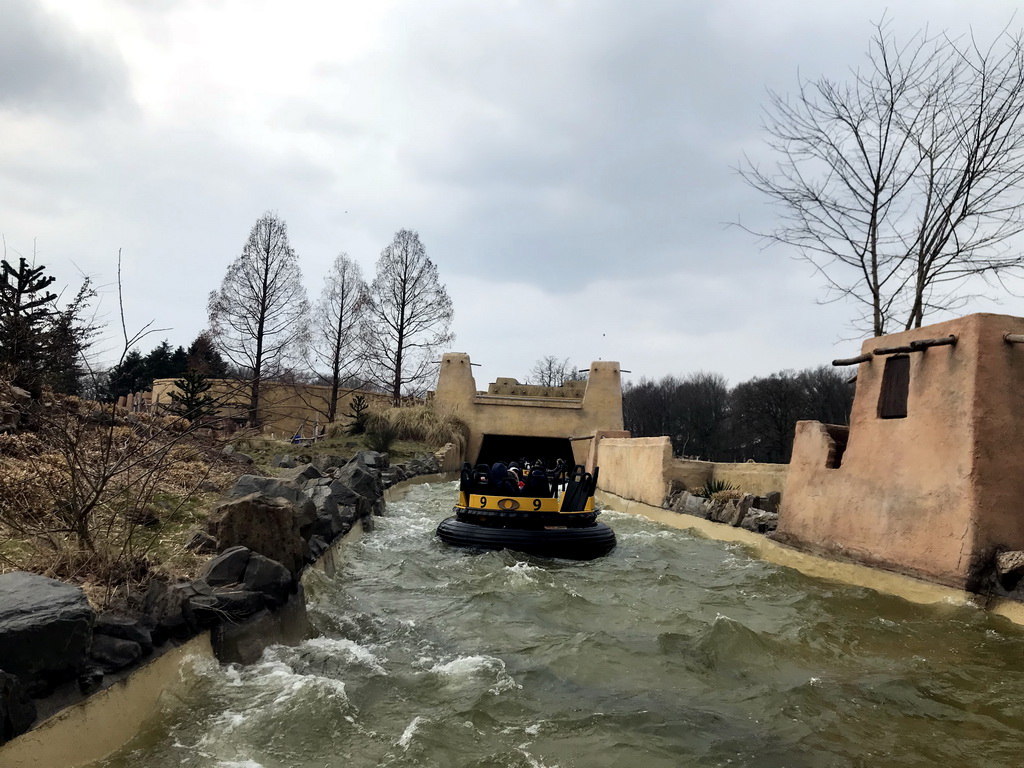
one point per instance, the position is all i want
(551, 515)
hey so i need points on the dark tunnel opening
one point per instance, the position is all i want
(516, 447)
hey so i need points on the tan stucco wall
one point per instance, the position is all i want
(749, 477)
(914, 590)
(285, 409)
(635, 468)
(932, 493)
(541, 412)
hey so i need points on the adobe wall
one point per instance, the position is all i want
(510, 408)
(933, 493)
(635, 468)
(285, 409)
(754, 478)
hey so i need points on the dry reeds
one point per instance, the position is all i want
(420, 423)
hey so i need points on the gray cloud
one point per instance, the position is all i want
(45, 66)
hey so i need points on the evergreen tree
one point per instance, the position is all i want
(25, 308)
(130, 375)
(203, 357)
(192, 401)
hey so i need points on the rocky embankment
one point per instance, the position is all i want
(54, 646)
(759, 514)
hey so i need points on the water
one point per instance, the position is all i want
(672, 651)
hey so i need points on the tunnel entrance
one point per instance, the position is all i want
(515, 447)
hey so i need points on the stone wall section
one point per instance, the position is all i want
(55, 650)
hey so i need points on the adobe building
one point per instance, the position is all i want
(512, 420)
(286, 409)
(928, 478)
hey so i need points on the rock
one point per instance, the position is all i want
(227, 567)
(329, 526)
(371, 460)
(17, 711)
(1010, 568)
(305, 510)
(45, 628)
(268, 577)
(361, 480)
(769, 502)
(328, 463)
(302, 475)
(323, 499)
(267, 525)
(687, 504)
(111, 654)
(226, 605)
(124, 628)
(201, 543)
(285, 461)
(760, 521)
(240, 458)
(168, 605)
(90, 680)
(317, 546)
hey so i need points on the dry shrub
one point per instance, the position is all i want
(20, 446)
(729, 494)
(421, 423)
(87, 503)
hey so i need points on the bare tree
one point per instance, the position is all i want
(549, 371)
(408, 317)
(336, 318)
(902, 183)
(258, 317)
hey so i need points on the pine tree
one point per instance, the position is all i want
(192, 401)
(25, 308)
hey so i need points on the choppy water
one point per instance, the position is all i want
(673, 651)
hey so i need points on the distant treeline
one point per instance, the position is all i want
(754, 420)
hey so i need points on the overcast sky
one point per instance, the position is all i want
(567, 163)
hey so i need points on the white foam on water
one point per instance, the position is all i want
(353, 652)
(534, 762)
(409, 732)
(465, 669)
(239, 764)
(519, 574)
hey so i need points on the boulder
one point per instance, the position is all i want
(124, 628)
(760, 521)
(360, 479)
(327, 463)
(685, 503)
(201, 543)
(305, 511)
(240, 458)
(267, 525)
(285, 461)
(268, 577)
(169, 607)
(226, 605)
(371, 460)
(317, 546)
(302, 475)
(17, 711)
(769, 502)
(1010, 568)
(45, 628)
(111, 654)
(90, 680)
(227, 567)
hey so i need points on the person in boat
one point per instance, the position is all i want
(501, 482)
